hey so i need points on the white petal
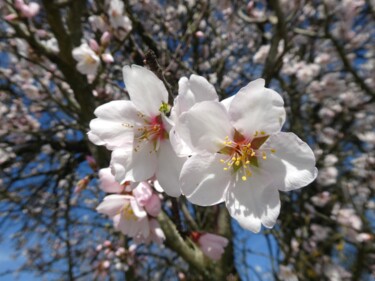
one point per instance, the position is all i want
(256, 108)
(130, 165)
(169, 169)
(204, 127)
(158, 187)
(81, 52)
(108, 182)
(95, 139)
(113, 125)
(112, 204)
(227, 101)
(181, 148)
(120, 159)
(191, 91)
(254, 202)
(292, 165)
(203, 180)
(139, 212)
(145, 89)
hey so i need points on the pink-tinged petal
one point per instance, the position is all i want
(144, 228)
(145, 89)
(168, 169)
(112, 204)
(108, 182)
(254, 202)
(204, 127)
(292, 165)
(113, 127)
(142, 193)
(212, 245)
(138, 211)
(136, 166)
(203, 180)
(256, 108)
(191, 91)
(153, 206)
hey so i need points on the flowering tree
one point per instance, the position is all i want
(150, 140)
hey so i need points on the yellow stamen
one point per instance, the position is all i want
(244, 178)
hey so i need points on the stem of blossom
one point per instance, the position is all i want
(189, 219)
(224, 229)
(193, 256)
(155, 67)
(176, 216)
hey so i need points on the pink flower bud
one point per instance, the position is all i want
(199, 34)
(10, 17)
(212, 245)
(94, 45)
(249, 7)
(107, 58)
(18, 4)
(107, 243)
(142, 193)
(106, 37)
(153, 205)
(106, 264)
(30, 10)
(82, 184)
(92, 163)
(120, 251)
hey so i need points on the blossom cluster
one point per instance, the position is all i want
(211, 152)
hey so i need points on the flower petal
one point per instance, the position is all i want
(203, 180)
(169, 168)
(130, 165)
(138, 211)
(292, 164)
(254, 202)
(113, 127)
(227, 101)
(256, 108)
(112, 204)
(191, 91)
(108, 182)
(145, 89)
(204, 127)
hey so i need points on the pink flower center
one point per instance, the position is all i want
(244, 153)
(152, 131)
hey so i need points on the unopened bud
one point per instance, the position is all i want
(107, 58)
(94, 45)
(106, 37)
